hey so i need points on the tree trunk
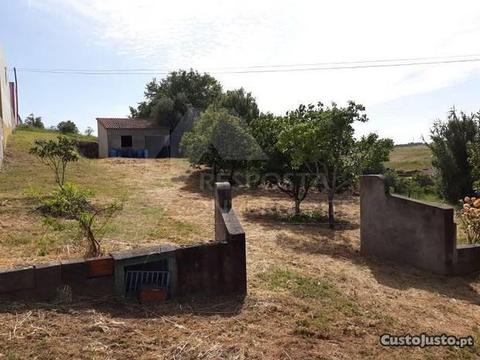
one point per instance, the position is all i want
(232, 173)
(331, 210)
(297, 206)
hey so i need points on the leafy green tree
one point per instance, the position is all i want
(321, 139)
(67, 127)
(56, 155)
(220, 141)
(168, 100)
(179, 90)
(451, 143)
(240, 103)
(279, 169)
(34, 121)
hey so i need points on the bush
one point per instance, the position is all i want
(470, 219)
(417, 185)
(450, 146)
(67, 202)
(67, 127)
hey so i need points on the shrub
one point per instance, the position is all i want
(91, 226)
(450, 146)
(67, 127)
(470, 219)
(67, 202)
(56, 155)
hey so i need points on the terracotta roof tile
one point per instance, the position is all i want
(128, 123)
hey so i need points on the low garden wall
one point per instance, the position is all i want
(413, 232)
(214, 268)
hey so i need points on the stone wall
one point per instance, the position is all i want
(412, 232)
(214, 268)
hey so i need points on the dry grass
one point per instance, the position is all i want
(310, 293)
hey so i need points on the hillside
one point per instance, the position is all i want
(311, 295)
(411, 157)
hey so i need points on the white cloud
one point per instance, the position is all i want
(217, 33)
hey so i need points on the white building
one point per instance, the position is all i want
(8, 105)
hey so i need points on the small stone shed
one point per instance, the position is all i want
(129, 137)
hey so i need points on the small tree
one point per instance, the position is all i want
(67, 127)
(278, 169)
(321, 139)
(450, 145)
(34, 121)
(89, 131)
(221, 141)
(92, 224)
(56, 155)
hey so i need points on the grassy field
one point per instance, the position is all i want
(410, 157)
(311, 295)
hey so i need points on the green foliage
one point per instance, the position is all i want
(417, 186)
(474, 153)
(451, 149)
(169, 99)
(279, 168)
(321, 139)
(220, 141)
(34, 121)
(56, 155)
(374, 152)
(67, 127)
(239, 103)
(68, 202)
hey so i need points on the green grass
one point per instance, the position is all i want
(410, 157)
(24, 180)
(322, 302)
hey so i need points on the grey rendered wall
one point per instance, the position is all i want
(102, 141)
(404, 230)
(138, 137)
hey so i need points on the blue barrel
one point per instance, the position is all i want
(146, 153)
(140, 153)
(113, 153)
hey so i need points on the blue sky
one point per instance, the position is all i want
(402, 103)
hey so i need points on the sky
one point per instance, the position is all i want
(219, 35)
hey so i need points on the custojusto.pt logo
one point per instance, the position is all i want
(424, 340)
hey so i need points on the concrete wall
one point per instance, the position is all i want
(111, 139)
(214, 268)
(102, 141)
(7, 118)
(411, 232)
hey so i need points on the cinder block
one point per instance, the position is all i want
(18, 279)
(98, 267)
